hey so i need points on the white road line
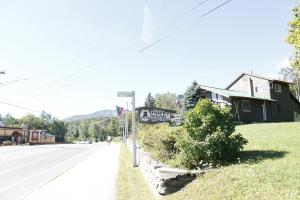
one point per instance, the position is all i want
(42, 172)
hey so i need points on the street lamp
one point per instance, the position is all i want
(132, 95)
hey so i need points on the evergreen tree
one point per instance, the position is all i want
(192, 95)
(150, 101)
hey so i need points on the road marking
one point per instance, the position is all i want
(44, 171)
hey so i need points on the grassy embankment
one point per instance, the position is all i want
(269, 169)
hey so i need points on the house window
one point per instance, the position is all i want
(215, 96)
(277, 87)
(256, 89)
(246, 106)
(271, 85)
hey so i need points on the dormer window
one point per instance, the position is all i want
(277, 87)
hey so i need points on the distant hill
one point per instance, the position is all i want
(101, 113)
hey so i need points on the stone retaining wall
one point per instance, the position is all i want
(162, 179)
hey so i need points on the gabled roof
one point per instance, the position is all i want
(257, 76)
(232, 93)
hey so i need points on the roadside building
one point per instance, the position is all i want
(13, 134)
(41, 137)
(255, 98)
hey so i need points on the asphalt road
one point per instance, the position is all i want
(24, 169)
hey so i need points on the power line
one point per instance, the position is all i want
(32, 96)
(55, 82)
(216, 8)
(188, 11)
(184, 27)
(68, 76)
(197, 6)
(10, 82)
(84, 68)
(24, 108)
(62, 87)
(81, 69)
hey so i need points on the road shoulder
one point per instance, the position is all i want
(93, 178)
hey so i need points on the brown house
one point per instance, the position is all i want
(255, 98)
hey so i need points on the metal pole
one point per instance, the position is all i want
(123, 128)
(133, 130)
(126, 123)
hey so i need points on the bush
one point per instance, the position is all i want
(209, 138)
(160, 140)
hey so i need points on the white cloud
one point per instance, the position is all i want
(148, 26)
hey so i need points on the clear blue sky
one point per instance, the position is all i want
(77, 54)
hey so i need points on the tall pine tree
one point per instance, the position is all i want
(150, 101)
(192, 95)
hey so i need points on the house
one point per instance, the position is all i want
(255, 98)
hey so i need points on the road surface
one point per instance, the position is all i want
(23, 169)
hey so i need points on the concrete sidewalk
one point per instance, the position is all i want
(94, 178)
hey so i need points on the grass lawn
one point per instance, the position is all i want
(269, 169)
(131, 183)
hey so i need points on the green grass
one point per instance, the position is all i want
(269, 168)
(131, 183)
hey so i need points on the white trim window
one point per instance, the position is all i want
(277, 87)
(246, 106)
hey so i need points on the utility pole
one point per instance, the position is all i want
(133, 130)
(132, 95)
(126, 122)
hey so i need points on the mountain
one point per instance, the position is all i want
(101, 113)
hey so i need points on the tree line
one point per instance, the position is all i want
(43, 122)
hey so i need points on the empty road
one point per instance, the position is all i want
(23, 169)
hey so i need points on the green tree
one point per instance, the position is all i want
(46, 120)
(294, 40)
(95, 130)
(114, 127)
(84, 130)
(30, 121)
(209, 138)
(59, 129)
(167, 101)
(10, 121)
(192, 95)
(150, 101)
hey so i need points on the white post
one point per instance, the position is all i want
(123, 131)
(126, 123)
(133, 130)
(131, 94)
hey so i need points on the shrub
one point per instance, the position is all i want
(209, 138)
(160, 140)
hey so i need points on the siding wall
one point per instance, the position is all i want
(243, 84)
(285, 102)
(256, 114)
(262, 85)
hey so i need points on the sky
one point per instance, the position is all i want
(72, 57)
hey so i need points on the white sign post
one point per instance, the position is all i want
(131, 94)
